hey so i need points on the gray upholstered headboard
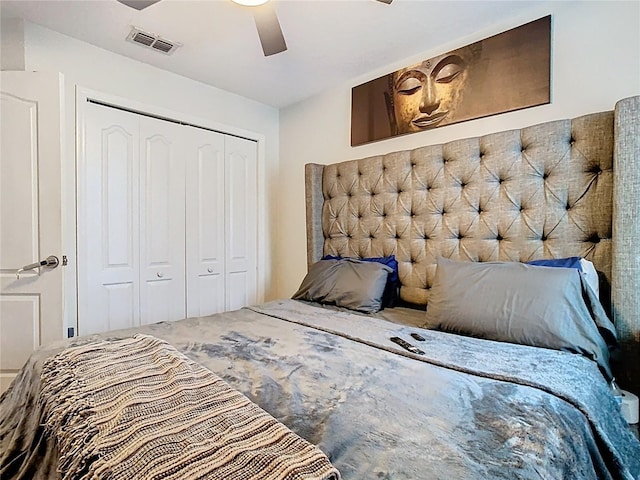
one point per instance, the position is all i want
(558, 189)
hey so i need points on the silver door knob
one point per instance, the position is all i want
(51, 261)
(159, 274)
(210, 270)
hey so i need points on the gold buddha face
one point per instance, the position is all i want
(425, 95)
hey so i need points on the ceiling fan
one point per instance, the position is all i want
(267, 23)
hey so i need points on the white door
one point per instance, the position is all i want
(221, 222)
(108, 219)
(205, 226)
(241, 220)
(162, 221)
(131, 221)
(31, 307)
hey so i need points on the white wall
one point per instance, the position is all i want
(96, 69)
(11, 44)
(595, 62)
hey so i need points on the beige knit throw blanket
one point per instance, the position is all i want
(139, 409)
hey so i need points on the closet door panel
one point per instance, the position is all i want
(107, 222)
(122, 306)
(241, 221)
(162, 222)
(205, 223)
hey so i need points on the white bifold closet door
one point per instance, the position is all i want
(131, 222)
(167, 221)
(240, 222)
(162, 221)
(205, 196)
(108, 219)
(221, 222)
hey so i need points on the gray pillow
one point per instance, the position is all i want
(519, 303)
(347, 283)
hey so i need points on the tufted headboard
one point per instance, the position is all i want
(558, 189)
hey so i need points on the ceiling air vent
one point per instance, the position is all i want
(152, 41)
(163, 46)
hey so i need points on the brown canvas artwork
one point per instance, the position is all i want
(506, 72)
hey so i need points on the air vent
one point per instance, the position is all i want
(163, 46)
(143, 38)
(152, 41)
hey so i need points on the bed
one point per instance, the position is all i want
(325, 369)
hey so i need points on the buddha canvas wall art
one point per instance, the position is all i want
(506, 72)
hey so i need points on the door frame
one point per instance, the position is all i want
(84, 95)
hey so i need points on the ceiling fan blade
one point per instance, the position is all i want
(138, 4)
(269, 30)
(388, 2)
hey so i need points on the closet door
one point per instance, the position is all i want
(162, 221)
(167, 220)
(205, 198)
(241, 220)
(108, 219)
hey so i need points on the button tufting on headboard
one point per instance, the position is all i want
(439, 189)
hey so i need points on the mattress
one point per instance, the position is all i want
(466, 408)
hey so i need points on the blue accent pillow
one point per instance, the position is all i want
(569, 262)
(585, 267)
(390, 295)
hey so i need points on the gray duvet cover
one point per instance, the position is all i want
(467, 409)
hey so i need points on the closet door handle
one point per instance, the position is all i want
(210, 270)
(159, 274)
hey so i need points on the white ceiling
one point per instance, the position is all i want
(330, 41)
